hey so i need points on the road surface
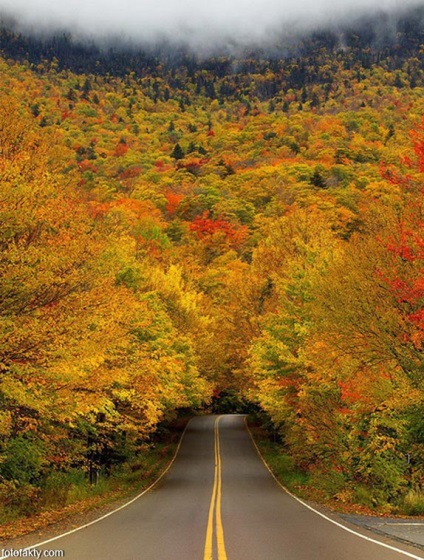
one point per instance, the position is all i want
(219, 502)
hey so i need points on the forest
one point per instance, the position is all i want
(176, 231)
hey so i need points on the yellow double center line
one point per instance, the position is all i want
(215, 507)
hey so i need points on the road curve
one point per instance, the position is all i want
(218, 502)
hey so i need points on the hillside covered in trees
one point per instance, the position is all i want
(173, 230)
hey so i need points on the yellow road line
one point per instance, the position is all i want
(209, 532)
(215, 505)
(222, 555)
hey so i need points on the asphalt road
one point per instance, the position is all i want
(218, 502)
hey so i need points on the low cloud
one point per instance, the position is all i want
(194, 22)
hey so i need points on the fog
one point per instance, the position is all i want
(195, 22)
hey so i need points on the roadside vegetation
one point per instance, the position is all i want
(329, 488)
(24, 509)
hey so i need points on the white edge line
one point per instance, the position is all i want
(322, 514)
(115, 510)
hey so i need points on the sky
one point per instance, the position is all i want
(193, 21)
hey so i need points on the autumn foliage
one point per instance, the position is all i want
(276, 253)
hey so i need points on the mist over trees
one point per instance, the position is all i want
(203, 27)
(395, 33)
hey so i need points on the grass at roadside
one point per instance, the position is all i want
(324, 488)
(329, 488)
(281, 464)
(70, 493)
